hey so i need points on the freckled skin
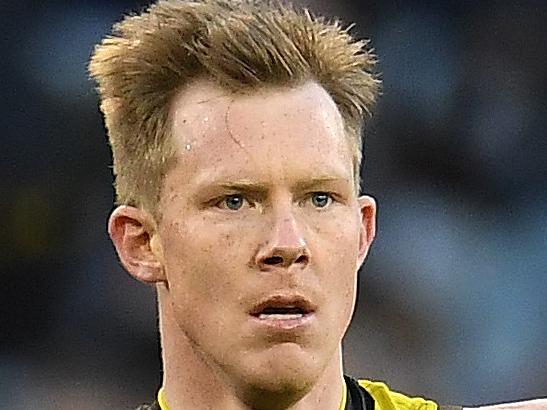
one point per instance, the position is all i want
(214, 258)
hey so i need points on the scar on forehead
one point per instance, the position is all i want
(230, 133)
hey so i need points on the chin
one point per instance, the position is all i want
(278, 376)
(277, 392)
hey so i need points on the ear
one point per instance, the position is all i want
(367, 207)
(133, 232)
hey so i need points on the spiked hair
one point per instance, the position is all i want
(241, 45)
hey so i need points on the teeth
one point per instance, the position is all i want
(277, 316)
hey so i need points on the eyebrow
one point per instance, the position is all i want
(243, 185)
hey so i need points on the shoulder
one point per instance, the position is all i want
(387, 399)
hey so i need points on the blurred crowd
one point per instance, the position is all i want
(452, 298)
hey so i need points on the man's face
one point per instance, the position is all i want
(262, 232)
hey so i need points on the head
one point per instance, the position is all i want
(235, 128)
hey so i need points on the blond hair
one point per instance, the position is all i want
(240, 45)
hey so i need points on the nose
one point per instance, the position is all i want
(285, 247)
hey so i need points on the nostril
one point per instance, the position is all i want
(273, 260)
(278, 260)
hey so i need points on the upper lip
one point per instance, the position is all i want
(284, 301)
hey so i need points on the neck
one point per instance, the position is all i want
(191, 383)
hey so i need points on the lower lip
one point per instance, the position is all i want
(285, 324)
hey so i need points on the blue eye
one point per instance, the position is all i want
(233, 202)
(321, 199)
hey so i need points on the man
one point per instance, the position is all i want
(235, 128)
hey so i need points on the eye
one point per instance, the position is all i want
(232, 202)
(321, 199)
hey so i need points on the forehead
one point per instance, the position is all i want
(271, 135)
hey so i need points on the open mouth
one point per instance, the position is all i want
(281, 313)
(283, 308)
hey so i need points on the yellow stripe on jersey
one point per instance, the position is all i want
(344, 396)
(161, 400)
(386, 399)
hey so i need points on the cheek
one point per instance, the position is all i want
(338, 239)
(203, 260)
(204, 271)
(337, 252)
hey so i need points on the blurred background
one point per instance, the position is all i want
(452, 300)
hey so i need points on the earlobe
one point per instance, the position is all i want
(133, 233)
(367, 207)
